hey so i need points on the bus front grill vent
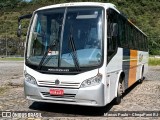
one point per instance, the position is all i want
(61, 85)
(69, 96)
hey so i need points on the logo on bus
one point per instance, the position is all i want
(140, 57)
(57, 82)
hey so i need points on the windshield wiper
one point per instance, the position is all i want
(73, 48)
(54, 44)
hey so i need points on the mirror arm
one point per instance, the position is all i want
(19, 23)
(24, 17)
(28, 16)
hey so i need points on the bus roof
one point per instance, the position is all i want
(105, 5)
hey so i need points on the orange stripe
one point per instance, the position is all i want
(133, 68)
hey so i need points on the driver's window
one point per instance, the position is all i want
(39, 36)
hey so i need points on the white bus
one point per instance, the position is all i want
(83, 53)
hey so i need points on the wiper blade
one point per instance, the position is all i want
(54, 44)
(73, 48)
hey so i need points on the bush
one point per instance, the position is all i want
(154, 61)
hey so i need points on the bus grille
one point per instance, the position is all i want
(61, 85)
(69, 96)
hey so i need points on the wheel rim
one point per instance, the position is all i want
(120, 89)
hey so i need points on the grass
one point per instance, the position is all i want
(154, 61)
(3, 90)
(11, 58)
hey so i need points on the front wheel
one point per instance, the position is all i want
(120, 91)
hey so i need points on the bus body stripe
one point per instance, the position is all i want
(126, 65)
(133, 67)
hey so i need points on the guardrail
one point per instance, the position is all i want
(157, 56)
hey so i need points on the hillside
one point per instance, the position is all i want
(143, 13)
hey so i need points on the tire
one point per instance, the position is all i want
(142, 77)
(120, 91)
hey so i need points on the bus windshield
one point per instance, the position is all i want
(66, 38)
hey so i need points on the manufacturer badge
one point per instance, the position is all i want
(57, 82)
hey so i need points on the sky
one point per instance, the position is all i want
(27, 0)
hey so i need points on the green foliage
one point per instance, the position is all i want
(12, 59)
(143, 13)
(154, 61)
(3, 90)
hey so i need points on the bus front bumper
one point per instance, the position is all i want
(89, 96)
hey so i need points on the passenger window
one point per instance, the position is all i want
(112, 33)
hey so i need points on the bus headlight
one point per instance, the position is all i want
(30, 79)
(92, 81)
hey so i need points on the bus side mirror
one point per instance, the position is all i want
(114, 29)
(19, 31)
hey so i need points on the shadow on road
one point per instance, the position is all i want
(61, 110)
(131, 88)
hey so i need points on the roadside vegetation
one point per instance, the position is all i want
(11, 59)
(3, 90)
(143, 13)
(154, 61)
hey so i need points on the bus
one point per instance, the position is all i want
(82, 53)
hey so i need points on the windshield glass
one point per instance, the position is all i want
(66, 37)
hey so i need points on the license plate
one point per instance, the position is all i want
(56, 92)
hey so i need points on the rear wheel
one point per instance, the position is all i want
(120, 91)
(142, 76)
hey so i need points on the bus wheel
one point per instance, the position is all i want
(142, 77)
(120, 91)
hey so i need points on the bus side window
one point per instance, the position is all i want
(123, 32)
(112, 33)
(146, 44)
(126, 45)
(134, 38)
(131, 38)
